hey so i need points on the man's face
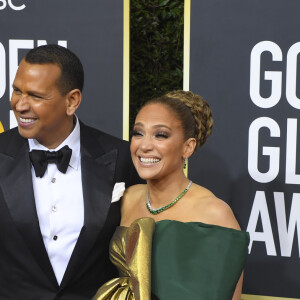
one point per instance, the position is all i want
(39, 107)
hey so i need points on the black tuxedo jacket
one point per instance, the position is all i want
(25, 269)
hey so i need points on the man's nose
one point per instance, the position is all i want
(22, 103)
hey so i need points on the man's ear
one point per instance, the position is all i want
(189, 147)
(73, 100)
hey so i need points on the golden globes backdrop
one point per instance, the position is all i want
(244, 61)
(92, 29)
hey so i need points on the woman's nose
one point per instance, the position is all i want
(147, 143)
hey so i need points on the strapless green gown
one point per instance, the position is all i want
(172, 260)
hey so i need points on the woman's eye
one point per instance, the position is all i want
(136, 133)
(163, 135)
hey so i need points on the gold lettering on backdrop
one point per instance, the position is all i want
(1, 127)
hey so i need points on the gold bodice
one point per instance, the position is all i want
(130, 252)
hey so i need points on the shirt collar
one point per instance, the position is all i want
(73, 141)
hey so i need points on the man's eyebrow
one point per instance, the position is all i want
(31, 93)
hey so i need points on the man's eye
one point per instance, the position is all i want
(36, 97)
(17, 92)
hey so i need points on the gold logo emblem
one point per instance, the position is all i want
(1, 127)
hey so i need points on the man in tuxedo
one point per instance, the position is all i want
(59, 185)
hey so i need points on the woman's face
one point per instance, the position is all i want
(157, 145)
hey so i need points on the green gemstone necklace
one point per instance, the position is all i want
(163, 208)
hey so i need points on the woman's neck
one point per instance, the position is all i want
(163, 191)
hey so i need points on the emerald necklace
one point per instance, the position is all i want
(163, 208)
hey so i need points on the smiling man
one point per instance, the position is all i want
(43, 111)
(58, 207)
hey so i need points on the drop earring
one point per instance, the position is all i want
(185, 161)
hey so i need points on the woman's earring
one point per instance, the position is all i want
(184, 164)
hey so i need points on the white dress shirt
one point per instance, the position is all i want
(59, 204)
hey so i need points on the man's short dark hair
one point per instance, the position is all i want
(72, 74)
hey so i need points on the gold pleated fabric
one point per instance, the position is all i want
(130, 252)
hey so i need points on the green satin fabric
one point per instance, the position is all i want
(196, 260)
(130, 252)
(189, 261)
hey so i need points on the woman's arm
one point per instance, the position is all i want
(238, 289)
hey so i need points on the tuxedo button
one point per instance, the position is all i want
(54, 208)
(53, 180)
(55, 238)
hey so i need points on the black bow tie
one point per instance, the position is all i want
(40, 160)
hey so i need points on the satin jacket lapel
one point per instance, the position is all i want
(98, 182)
(16, 184)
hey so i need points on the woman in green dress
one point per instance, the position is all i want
(176, 240)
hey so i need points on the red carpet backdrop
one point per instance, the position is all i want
(244, 61)
(92, 29)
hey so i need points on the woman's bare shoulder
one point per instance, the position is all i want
(212, 210)
(135, 190)
(133, 194)
(131, 204)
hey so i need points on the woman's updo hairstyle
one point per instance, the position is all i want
(193, 112)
